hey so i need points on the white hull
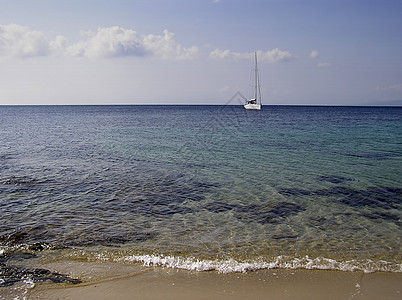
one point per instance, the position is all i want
(252, 106)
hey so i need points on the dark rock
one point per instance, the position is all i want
(218, 207)
(294, 192)
(376, 197)
(382, 216)
(263, 214)
(334, 179)
(284, 237)
(13, 274)
(13, 238)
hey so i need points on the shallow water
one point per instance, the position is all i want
(201, 187)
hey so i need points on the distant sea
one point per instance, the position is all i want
(200, 188)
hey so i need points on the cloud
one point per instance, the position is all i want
(274, 55)
(23, 42)
(314, 54)
(58, 45)
(395, 87)
(224, 89)
(323, 64)
(165, 47)
(109, 42)
(119, 42)
(20, 41)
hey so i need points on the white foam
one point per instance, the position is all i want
(29, 282)
(232, 265)
(282, 262)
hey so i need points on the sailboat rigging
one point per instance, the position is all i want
(255, 103)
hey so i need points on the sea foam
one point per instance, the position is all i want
(281, 262)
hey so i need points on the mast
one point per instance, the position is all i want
(256, 77)
(259, 89)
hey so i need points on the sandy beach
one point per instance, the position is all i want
(137, 282)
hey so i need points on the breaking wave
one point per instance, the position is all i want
(280, 262)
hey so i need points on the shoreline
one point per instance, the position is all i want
(137, 282)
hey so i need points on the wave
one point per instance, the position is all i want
(280, 262)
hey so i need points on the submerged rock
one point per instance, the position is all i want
(10, 275)
(334, 179)
(260, 213)
(375, 197)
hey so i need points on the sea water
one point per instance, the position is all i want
(200, 188)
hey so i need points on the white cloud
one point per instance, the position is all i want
(323, 65)
(274, 55)
(220, 54)
(109, 42)
(21, 41)
(314, 54)
(395, 87)
(224, 89)
(59, 44)
(165, 47)
(117, 42)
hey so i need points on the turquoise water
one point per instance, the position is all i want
(201, 187)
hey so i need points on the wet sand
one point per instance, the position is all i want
(135, 282)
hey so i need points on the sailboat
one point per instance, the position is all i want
(255, 103)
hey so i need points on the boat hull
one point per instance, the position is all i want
(252, 106)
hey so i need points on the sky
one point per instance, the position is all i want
(310, 52)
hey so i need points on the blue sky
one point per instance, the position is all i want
(330, 52)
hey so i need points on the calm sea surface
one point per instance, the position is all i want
(200, 187)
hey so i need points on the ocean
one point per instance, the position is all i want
(200, 188)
